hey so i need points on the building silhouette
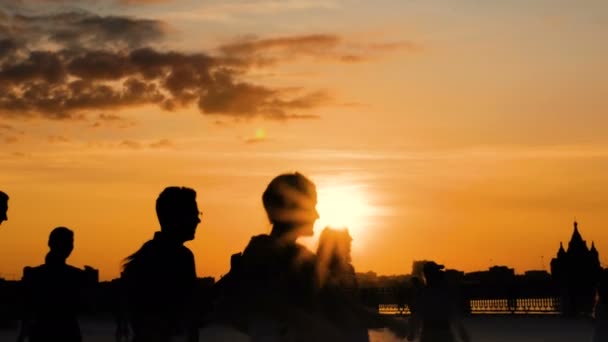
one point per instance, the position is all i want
(576, 271)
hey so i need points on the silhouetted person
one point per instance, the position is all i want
(435, 312)
(600, 333)
(3, 207)
(270, 291)
(339, 290)
(160, 278)
(53, 294)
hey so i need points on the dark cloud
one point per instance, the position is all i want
(67, 65)
(80, 30)
(59, 85)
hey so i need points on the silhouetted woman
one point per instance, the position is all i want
(435, 312)
(600, 333)
(338, 288)
(53, 294)
(270, 291)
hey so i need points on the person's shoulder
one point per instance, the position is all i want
(30, 272)
(304, 254)
(259, 242)
(185, 252)
(262, 239)
(75, 271)
(259, 249)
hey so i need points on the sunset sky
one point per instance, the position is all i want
(468, 132)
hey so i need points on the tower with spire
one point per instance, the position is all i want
(576, 272)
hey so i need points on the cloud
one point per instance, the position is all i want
(163, 143)
(236, 10)
(55, 139)
(130, 144)
(59, 85)
(69, 65)
(308, 44)
(263, 52)
(143, 2)
(5, 127)
(113, 120)
(10, 139)
(78, 30)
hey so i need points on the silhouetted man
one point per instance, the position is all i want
(3, 207)
(53, 294)
(160, 278)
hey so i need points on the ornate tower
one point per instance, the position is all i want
(576, 272)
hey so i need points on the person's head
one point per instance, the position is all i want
(61, 244)
(290, 202)
(3, 207)
(335, 244)
(333, 252)
(433, 273)
(178, 213)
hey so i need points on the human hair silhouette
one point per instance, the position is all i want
(435, 309)
(290, 202)
(159, 279)
(334, 259)
(3, 207)
(338, 290)
(53, 294)
(600, 332)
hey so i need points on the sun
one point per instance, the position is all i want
(260, 134)
(345, 206)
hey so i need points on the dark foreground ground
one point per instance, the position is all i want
(482, 329)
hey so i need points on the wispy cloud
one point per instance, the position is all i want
(163, 143)
(232, 10)
(144, 2)
(131, 144)
(323, 46)
(113, 120)
(54, 139)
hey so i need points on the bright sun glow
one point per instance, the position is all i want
(342, 205)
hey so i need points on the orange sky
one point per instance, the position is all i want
(468, 133)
